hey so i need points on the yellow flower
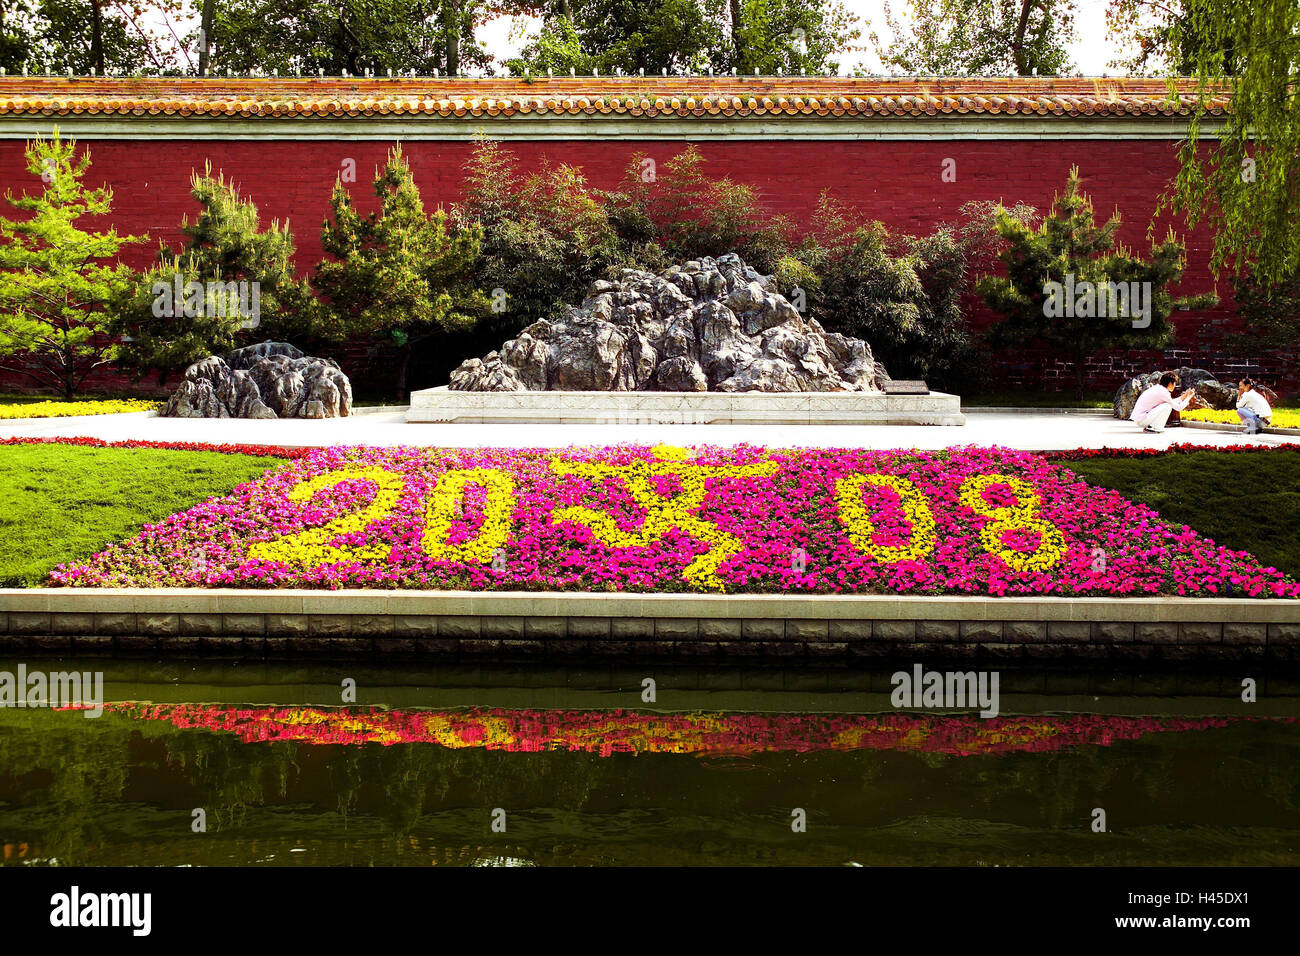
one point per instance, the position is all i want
(1282, 417)
(498, 511)
(1022, 515)
(848, 500)
(61, 409)
(311, 547)
(664, 514)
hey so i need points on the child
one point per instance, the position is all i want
(1253, 407)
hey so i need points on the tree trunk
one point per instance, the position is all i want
(205, 37)
(735, 34)
(1079, 358)
(1018, 41)
(451, 35)
(403, 363)
(96, 38)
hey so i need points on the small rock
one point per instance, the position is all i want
(268, 380)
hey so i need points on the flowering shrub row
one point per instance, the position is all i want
(267, 451)
(56, 409)
(617, 731)
(1282, 417)
(967, 520)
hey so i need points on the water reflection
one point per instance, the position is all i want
(313, 785)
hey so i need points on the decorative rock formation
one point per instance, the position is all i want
(709, 325)
(268, 380)
(1210, 392)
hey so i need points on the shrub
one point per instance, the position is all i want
(1070, 248)
(228, 248)
(399, 271)
(546, 235)
(56, 288)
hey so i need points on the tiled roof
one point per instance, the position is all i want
(595, 96)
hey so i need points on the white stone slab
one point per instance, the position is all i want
(697, 408)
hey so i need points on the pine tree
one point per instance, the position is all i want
(1059, 282)
(250, 292)
(57, 285)
(399, 271)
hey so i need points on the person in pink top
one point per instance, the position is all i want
(1157, 403)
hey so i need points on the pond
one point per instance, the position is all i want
(233, 764)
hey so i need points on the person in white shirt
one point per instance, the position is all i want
(1157, 403)
(1252, 407)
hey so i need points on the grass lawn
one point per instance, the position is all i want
(61, 502)
(1245, 501)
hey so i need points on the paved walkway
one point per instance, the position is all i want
(1034, 432)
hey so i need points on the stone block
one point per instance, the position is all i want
(371, 625)
(1024, 632)
(762, 629)
(1200, 633)
(981, 632)
(1113, 632)
(938, 630)
(501, 628)
(29, 622)
(200, 625)
(1158, 632)
(461, 628)
(1245, 633)
(676, 629)
(850, 630)
(631, 628)
(720, 629)
(804, 630)
(589, 628)
(892, 631)
(1069, 632)
(112, 624)
(157, 625)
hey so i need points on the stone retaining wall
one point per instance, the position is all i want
(713, 628)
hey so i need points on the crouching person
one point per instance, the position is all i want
(1252, 407)
(1157, 403)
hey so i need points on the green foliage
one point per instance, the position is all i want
(226, 244)
(685, 213)
(1268, 529)
(902, 294)
(979, 37)
(1270, 311)
(399, 271)
(1244, 186)
(546, 234)
(56, 286)
(781, 36)
(690, 36)
(52, 36)
(64, 503)
(353, 35)
(1069, 243)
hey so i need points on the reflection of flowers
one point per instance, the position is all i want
(609, 732)
(963, 521)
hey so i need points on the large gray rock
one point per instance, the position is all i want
(268, 380)
(1210, 392)
(708, 325)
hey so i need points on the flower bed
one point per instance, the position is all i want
(63, 409)
(610, 732)
(1282, 417)
(962, 521)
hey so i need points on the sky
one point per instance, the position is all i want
(1091, 51)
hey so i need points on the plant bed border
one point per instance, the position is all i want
(536, 626)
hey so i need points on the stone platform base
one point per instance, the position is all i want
(445, 406)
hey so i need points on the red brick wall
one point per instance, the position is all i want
(894, 181)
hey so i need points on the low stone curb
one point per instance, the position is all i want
(1238, 429)
(697, 628)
